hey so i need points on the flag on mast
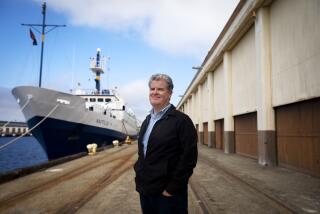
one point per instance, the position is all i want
(33, 37)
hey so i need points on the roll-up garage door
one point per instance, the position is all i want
(246, 135)
(298, 136)
(198, 134)
(205, 133)
(219, 134)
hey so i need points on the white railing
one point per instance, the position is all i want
(101, 66)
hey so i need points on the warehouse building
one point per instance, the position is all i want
(8, 128)
(257, 92)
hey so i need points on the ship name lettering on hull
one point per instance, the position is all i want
(103, 122)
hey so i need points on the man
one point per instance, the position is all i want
(167, 153)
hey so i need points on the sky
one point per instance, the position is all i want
(138, 37)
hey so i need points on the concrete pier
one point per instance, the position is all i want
(104, 183)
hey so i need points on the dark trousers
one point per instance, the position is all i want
(176, 204)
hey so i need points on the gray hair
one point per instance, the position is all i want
(164, 77)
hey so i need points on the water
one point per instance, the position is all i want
(23, 153)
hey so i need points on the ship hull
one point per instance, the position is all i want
(62, 138)
(67, 128)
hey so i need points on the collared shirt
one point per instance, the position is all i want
(153, 119)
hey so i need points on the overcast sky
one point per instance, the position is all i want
(141, 37)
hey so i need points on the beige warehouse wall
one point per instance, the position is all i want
(218, 93)
(244, 75)
(197, 106)
(295, 50)
(190, 108)
(205, 103)
(193, 106)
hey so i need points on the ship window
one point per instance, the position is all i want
(100, 99)
(105, 112)
(92, 99)
(86, 99)
(114, 116)
(91, 108)
(107, 100)
(123, 108)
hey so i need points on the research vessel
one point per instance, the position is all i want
(65, 123)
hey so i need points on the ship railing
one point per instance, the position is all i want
(93, 92)
(100, 65)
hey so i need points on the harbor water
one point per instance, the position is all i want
(25, 152)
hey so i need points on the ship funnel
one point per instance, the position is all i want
(97, 66)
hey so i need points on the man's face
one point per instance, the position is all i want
(159, 95)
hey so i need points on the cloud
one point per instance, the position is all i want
(136, 96)
(180, 27)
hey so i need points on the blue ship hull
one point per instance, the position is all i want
(62, 138)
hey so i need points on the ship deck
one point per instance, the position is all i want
(104, 183)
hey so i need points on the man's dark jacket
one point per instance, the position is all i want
(170, 157)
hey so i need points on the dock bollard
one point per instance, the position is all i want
(128, 140)
(115, 143)
(92, 148)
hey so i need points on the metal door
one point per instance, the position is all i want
(298, 136)
(246, 135)
(219, 134)
(205, 133)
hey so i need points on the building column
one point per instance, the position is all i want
(199, 114)
(267, 154)
(189, 107)
(211, 133)
(186, 110)
(228, 134)
(193, 112)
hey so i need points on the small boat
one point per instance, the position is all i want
(65, 123)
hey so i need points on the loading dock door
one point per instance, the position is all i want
(219, 134)
(298, 136)
(205, 133)
(246, 135)
(198, 134)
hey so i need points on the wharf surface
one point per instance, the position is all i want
(104, 183)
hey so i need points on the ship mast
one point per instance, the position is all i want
(97, 66)
(43, 26)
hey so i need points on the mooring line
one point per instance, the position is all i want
(41, 121)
